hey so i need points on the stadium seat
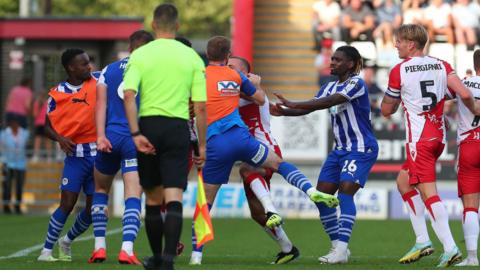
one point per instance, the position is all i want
(366, 49)
(463, 59)
(337, 44)
(444, 51)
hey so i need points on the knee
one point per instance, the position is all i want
(259, 218)
(67, 207)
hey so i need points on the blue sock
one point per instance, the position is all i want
(99, 214)
(348, 214)
(82, 222)
(131, 219)
(329, 219)
(194, 239)
(293, 176)
(55, 226)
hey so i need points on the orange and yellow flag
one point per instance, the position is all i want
(202, 224)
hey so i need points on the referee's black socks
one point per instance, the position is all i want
(154, 227)
(172, 229)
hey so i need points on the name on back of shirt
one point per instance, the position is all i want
(417, 68)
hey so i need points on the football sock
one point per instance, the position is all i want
(194, 238)
(100, 218)
(172, 228)
(348, 213)
(154, 228)
(329, 219)
(294, 177)
(470, 231)
(55, 226)
(82, 222)
(416, 210)
(260, 189)
(279, 235)
(131, 223)
(439, 219)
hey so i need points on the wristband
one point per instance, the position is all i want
(136, 133)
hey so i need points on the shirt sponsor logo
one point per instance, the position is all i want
(228, 88)
(130, 163)
(65, 181)
(259, 155)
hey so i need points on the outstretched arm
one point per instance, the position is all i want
(389, 105)
(313, 104)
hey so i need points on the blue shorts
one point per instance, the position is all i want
(123, 155)
(350, 166)
(223, 150)
(78, 174)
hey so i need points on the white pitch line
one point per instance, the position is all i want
(25, 252)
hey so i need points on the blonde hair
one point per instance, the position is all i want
(413, 32)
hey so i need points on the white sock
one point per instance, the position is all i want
(263, 195)
(196, 254)
(279, 235)
(342, 246)
(334, 243)
(439, 219)
(470, 232)
(46, 251)
(127, 246)
(67, 240)
(100, 243)
(417, 216)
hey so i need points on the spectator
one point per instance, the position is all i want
(438, 17)
(468, 73)
(326, 19)
(39, 113)
(358, 22)
(465, 17)
(388, 18)
(412, 12)
(19, 102)
(322, 63)
(13, 142)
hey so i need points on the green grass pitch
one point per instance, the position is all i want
(238, 244)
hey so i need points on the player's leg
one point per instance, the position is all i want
(469, 190)
(422, 171)
(70, 187)
(257, 154)
(84, 173)
(416, 210)
(256, 185)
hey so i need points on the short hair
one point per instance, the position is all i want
(69, 54)
(140, 36)
(218, 48)
(184, 41)
(354, 56)
(413, 32)
(244, 61)
(476, 59)
(165, 17)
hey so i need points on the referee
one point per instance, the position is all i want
(168, 74)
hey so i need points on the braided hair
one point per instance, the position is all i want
(354, 56)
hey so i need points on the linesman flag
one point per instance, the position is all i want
(202, 224)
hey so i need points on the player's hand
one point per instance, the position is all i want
(66, 145)
(284, 102)
(200, 159)
(255, 79)
(276, 109)
(143, 145)
(104, 145)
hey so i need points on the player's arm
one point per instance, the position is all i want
(454, 83)
(389, 105)
(66, 144)
(392, 98)
(131, 81)
(103, 144)
(251, 88)
(313, 104)
(279, 110)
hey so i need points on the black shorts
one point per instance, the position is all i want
(40, 131)
(171, 139)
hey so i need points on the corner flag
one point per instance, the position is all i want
(202, 224)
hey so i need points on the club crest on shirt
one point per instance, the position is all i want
(228, 88)
(65, 181)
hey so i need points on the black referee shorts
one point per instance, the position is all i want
(169, 166)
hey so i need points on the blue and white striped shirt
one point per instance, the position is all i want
(350, 120)
(81, 150)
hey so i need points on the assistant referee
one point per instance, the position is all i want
(168, 74)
